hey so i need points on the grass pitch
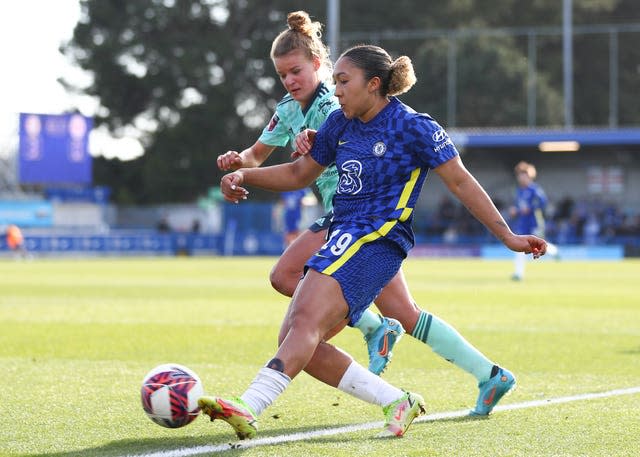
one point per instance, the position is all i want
(77, 336)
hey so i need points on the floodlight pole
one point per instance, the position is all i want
(333, 28)
(567, 62)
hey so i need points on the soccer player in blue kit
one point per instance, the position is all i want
(527, 212)
(292, 213)
(302, 62)
(383, 151)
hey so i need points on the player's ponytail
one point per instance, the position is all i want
(402, 77)
(396, 76)
(299, 21)
(302, 34)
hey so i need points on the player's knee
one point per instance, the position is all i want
(282, 281)
(305, 320)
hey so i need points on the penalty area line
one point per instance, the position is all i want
(209, 449)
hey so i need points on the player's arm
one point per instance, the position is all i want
(251, 157)
(287, 176)
(465, 187)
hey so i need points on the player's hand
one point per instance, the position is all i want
(231, 189)
(230, 161)
(529, 244)
(304, 141)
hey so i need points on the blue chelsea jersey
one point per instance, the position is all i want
(382, 164)
(529, 201)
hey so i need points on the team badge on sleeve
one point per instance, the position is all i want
(273, 122)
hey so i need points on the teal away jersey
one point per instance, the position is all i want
(289, 120)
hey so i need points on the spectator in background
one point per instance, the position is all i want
(527, 213)
(163, 225)
(15, 240)
(195, 226)
(446, 215)
(292, 213)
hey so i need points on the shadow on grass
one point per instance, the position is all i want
(131, 447)
(458, 419)
(219, 444)
(226, 444)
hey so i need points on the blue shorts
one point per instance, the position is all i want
(362, 260)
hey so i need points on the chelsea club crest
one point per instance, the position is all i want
(379, 149)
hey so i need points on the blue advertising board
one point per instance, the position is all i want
(53, 149)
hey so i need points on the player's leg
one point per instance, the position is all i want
(287, 272)
(321, 302)
(519, 262)
(286, 275)
(381, 341)
(399, 408)
(382, 260)
(307, 320)
(314, 310)
(396, 301)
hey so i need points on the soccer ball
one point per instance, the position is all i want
(170, 395)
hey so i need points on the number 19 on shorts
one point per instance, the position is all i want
(338, 242)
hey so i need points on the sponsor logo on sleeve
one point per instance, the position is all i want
(440, 136)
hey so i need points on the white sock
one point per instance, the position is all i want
(519, 262)
(264, 389)
(361, 383)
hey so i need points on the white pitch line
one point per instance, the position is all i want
(208, 449)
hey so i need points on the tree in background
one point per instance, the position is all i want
(196, 78)
(194, 73)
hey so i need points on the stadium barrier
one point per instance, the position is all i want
(234, 242)
(566, 252)
(131, 243)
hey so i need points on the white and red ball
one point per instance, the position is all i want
(170, 395)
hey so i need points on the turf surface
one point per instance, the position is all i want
(77, 336)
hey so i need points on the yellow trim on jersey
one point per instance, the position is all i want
(355, 247)
(406, 193)
(382, 231)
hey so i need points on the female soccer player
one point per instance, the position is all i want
(302, 62)
(383, 151)
(527, 212)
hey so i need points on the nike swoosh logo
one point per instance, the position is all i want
(340, 142)
(320, 255)
(384, 350)
(489, 399)
(398, 416)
